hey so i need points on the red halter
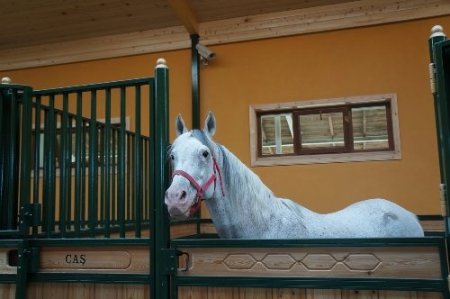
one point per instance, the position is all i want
(204, 187)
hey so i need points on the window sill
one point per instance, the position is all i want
(326, 158)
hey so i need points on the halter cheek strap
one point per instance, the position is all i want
(202, 188)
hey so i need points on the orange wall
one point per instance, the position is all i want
(372, 60)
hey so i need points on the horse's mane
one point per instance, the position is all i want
(246, 184)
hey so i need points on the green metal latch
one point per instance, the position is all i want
(171, 258)
(30, 214)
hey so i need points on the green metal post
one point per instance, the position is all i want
(195, 74)
(49, 168)
(160, 176)
(25, 171)
(37, 154)
(439, 76)
(22, 270)
(441, 110)
(11, 184)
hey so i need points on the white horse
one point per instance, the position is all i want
(241, 206)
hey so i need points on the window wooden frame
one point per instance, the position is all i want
(325, 155)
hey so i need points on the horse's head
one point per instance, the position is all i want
(195, 170)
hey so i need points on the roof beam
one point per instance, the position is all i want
(185, 13)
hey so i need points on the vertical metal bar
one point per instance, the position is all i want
(145, 207)
(138, 164)
(49, 168)
(69, 177)
(37, 153)
(195, 74)
(12, 162)
(130, 167)
(22, 269)
(113, 175)
(93, 164)
(3, 210)
(25, 177)
(78, 164)
(160, 175)
(63, 194)
(107, 153)
(101, 151)
(84, 164)
(121, 168)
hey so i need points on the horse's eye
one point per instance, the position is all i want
(205, 154)
(172, 157)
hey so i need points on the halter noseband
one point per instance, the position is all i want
(202, 188)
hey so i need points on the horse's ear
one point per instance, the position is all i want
(180, 125)
(210, 124)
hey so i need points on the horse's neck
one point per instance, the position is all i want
(247, 201)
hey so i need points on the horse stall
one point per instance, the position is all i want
(77, 186)
(209, 267)
(97, 227)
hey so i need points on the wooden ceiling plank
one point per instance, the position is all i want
(185, 14)
(318, 19)
(292, 22)
(135, 43)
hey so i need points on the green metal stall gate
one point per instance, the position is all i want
(74, 177)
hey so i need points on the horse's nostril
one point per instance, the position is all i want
(183, 194)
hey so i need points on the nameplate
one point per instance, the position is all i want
(114, 260)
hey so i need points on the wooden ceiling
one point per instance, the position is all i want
(46, 32)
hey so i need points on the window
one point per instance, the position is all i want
(324, 131)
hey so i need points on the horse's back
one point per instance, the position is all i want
(372, 218)
(379, 218)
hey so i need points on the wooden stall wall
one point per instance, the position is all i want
(390, 58)
(260, 293)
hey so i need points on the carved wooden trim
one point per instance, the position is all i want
(339, 262)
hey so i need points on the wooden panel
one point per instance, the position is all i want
(207, 228)
(433, 225)
(95, 260)
(409, 295)
(259, 293)
(87, 291)
(7, 291)
(181, 230)
(4, 267)
(351, 294)
(376, 262)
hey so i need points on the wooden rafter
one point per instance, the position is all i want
(185, 14)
